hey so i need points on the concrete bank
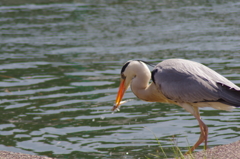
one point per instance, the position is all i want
(229, 151)
(14, 155)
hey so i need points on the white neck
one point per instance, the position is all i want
(148, 92)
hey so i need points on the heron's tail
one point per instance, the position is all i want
(229, 95)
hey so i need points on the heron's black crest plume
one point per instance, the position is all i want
(126, 64)
(148, 63)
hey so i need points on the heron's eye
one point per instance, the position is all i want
(123, 76)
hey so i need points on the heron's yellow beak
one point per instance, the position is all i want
(120, 94)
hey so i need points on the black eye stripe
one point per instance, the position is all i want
(124, 67)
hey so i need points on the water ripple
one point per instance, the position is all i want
(60, 72)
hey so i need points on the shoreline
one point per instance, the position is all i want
(228, 151)
(231, 150)
(17, 155)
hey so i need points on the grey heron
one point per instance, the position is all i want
(185, 83)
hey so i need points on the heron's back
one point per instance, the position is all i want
(187, 81)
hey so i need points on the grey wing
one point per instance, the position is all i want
(186, 81)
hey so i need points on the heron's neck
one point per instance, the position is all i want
(148, 92)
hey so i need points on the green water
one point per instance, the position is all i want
(59, 74)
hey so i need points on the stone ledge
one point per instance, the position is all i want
(15, 155)
(229, 151)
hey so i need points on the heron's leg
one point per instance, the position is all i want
(204, 132)
(203, 136)
(203, 128)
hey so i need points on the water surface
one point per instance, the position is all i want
(59, 74)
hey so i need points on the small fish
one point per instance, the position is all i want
(117, 107)
(124, 101)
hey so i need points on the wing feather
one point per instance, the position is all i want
(187, 81)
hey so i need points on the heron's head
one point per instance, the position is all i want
(128, 72)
